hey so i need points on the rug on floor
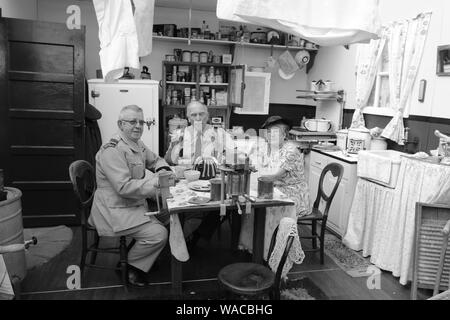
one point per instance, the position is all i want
(51, 242)
(301, 288)
(352, 262)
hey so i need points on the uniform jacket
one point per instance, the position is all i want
(123, 184)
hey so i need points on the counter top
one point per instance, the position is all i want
(339, 155)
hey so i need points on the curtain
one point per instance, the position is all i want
(406, 43)
(368, 57)
(325, 22)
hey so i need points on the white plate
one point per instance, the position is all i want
(200, 185)
(285, 76)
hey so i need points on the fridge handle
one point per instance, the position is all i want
(95, 94)
(150, 123)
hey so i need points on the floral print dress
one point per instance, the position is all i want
(293, 184)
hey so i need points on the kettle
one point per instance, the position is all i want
(145, 74)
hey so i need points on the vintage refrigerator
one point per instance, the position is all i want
(110, 98)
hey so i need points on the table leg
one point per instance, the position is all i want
(177, 277)
(258, 235)
(235, 229)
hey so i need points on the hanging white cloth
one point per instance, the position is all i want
(382, 220)
(406, 45)
(143, 18)
(325, 22)
(368, 57)
(118, 37)
(287, 228)
(124, 36)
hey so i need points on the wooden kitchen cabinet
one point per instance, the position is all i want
(181, 78)
(341, 205)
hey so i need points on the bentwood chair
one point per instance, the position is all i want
(316, 216)
(253, 279)
(82, 176)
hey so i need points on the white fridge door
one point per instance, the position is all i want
(109, 99)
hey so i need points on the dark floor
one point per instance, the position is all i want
(199, 275)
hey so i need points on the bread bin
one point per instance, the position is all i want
(360, 134)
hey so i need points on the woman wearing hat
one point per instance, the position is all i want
(282, 163)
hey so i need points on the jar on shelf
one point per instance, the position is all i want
(218, 77)
(203, 57)
(195, 56)
(203, 78)
(211, 78)
(186, 56)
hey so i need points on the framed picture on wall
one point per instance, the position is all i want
(443, 61)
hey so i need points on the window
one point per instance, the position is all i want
(379, 102)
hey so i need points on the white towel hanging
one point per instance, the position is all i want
(325, 22)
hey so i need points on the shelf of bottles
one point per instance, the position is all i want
(205, 82)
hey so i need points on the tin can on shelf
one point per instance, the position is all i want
(170, 57)
(195, 56)
(203, 57)
(186, 56)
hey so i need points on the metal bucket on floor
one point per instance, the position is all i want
(11, 232)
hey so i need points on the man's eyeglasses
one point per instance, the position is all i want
(135, 122)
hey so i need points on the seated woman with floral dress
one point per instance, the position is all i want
(281, 162)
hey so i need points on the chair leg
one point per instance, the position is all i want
(314, 233)
(83, 249)
(322, 242)
(274, 294)
(124, 262)
(94, 253)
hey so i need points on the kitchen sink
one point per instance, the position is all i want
(380, 166)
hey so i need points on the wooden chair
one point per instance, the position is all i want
(336, 170)
(82, 176)
(252, 279)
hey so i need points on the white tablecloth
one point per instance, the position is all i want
(382, 220)
(181, 195)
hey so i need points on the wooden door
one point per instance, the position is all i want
(41, 116)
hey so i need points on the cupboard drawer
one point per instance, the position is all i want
(319, 160)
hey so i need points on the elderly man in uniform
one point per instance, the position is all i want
(124, 181)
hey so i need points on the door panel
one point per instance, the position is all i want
(42, 95)
(42, 109)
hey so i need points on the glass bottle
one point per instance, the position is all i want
(203, 29)
(206, 35)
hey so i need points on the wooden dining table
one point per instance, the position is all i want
(177, 205)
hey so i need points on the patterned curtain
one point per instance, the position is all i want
(406, 43)
(368, 57)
